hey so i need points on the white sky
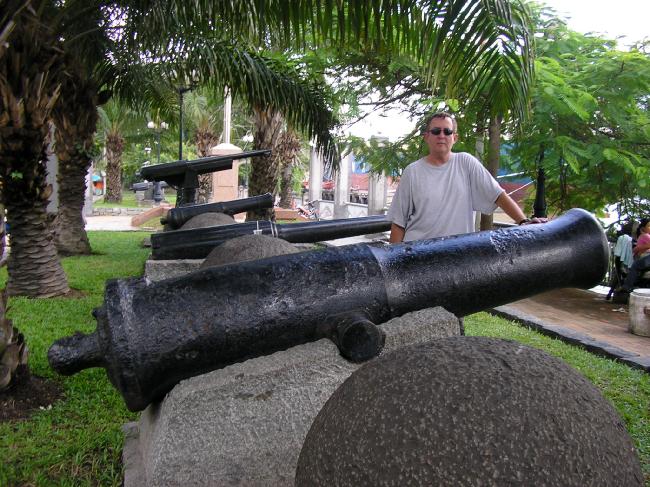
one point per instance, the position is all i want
(610, 18)
(629, 18)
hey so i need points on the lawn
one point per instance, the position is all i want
(78, 441)
(129, 201)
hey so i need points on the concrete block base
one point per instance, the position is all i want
(245, 424)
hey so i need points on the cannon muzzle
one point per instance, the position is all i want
(176, 217)
(197, 243)
(152, 335)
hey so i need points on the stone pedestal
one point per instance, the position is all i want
(157, 270)
(245, 424)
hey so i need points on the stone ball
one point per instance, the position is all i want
(468, 411)
(208, 220)
(247, 247)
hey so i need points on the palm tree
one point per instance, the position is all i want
(28, 92)
(83, 88)
(75, 122)
(289, 151)
(269, 127)
(454, 41)
(116, 121)
(203, 117)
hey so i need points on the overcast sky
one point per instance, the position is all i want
(610, 18)
(629, 18)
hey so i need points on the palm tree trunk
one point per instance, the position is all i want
(205, 139)
(285, 185)
(263, 178)
(3, 234)
(288, 150)
(114, 149)
(76, 120)
(29, 88)
(34, 267)
(71, 237)
(494, 156)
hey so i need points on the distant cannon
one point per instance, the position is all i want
(146, 185)
(150, 336)
(184, 175)
(198, 243)
(176, 217)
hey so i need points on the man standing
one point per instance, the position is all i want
(438, 194)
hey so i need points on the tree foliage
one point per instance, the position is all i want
(590, 125)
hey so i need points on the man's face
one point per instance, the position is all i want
(440, 144)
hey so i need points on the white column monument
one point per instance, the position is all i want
(315, 175)
(342, 188)
(377, 191)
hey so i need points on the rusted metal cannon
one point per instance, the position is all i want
(197, 243)
(151, 336)
(176, 217)
(184, 175)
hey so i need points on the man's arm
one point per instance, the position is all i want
(508, 205)
(396, 234)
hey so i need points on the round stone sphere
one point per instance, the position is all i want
(247, 247)
(467, 411)
(208, 220)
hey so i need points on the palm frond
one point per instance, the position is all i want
(261, 81)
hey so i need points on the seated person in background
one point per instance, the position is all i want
(642, 254)
(623, 249)
(623, 259)
(642, 239)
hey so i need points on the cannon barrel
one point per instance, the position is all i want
(176, 217)
(152, 335)
(145, 185)
(197, 243)
(184, 175)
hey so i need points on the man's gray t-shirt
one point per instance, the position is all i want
(436, 201)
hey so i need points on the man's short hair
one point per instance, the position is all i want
(448, 115)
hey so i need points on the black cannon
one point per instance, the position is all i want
(184, 175)
(151, 336)
(197, 243)
(176, 217)
(146, 185)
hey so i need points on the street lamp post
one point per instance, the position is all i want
(157, 129)
(181, 91)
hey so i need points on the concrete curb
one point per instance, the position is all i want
(597, 347)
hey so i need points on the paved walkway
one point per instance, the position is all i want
(114, 223)
(584, 318)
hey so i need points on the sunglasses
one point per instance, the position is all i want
(437, 130)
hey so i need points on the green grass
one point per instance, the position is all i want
(78, 442)
(129, 201)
